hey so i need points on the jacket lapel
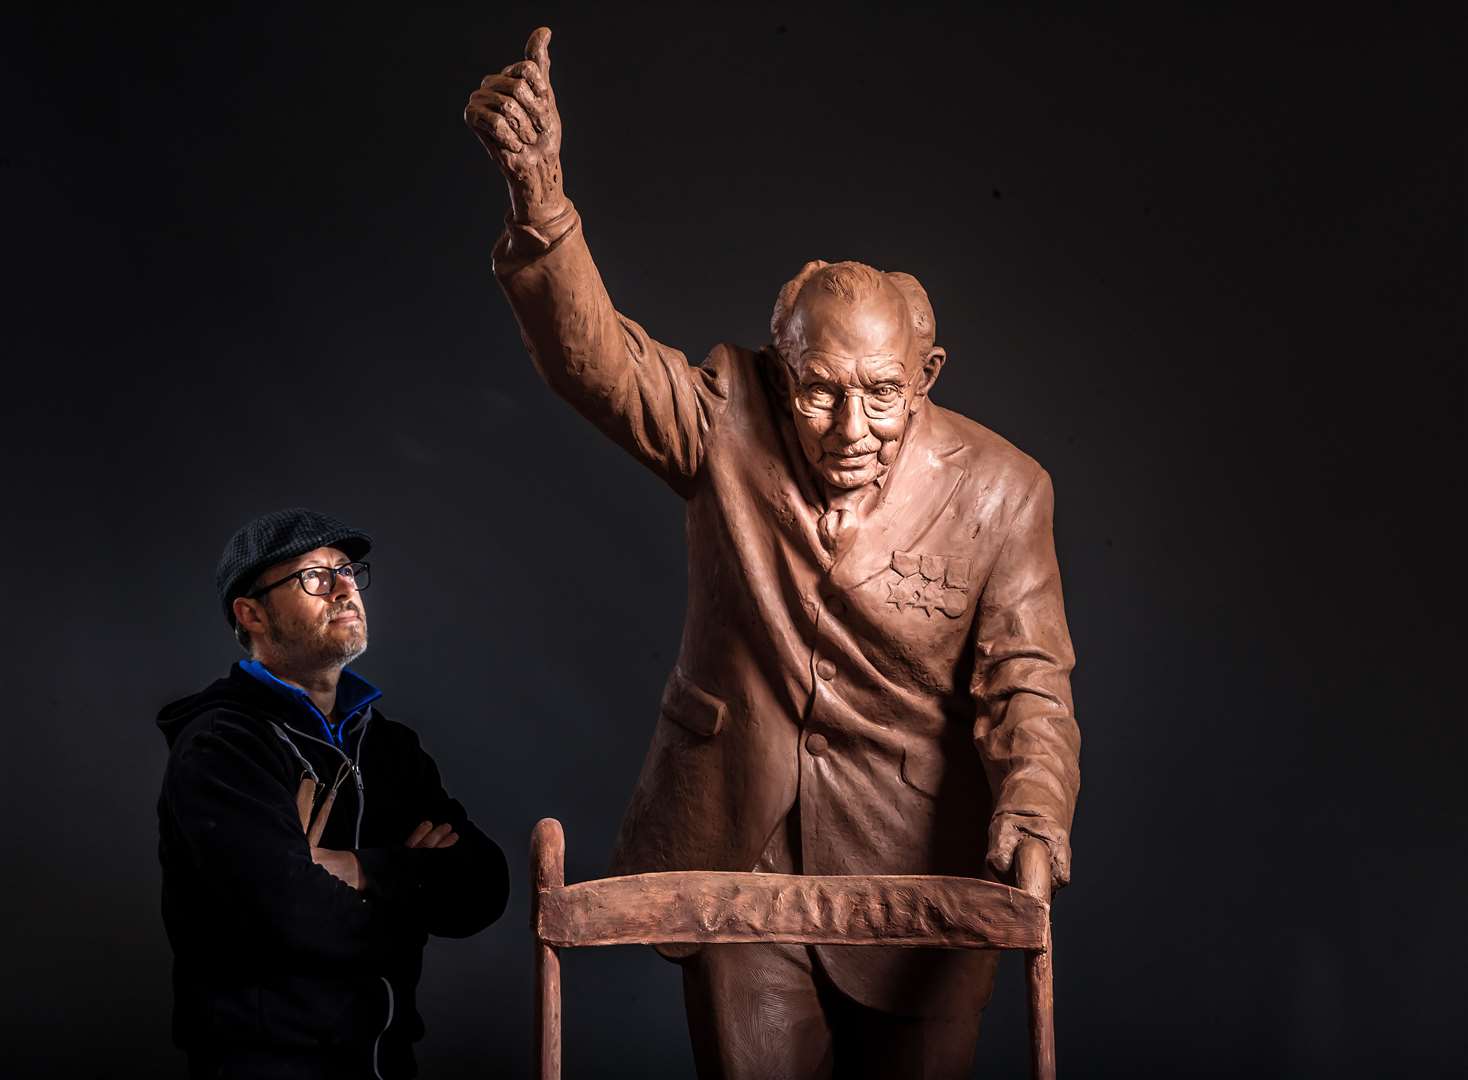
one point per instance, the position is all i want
(919, 487)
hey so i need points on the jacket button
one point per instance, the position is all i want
(826, 670)
(816, 744)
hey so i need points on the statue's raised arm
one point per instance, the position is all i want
(642, 393)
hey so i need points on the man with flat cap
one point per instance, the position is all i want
(874, 676)
(308, 845)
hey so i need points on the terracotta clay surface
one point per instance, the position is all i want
(645, 909)
(874, 676)
(716, 908)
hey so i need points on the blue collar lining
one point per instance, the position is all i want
(353, 695)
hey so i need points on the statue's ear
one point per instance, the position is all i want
(929, 375)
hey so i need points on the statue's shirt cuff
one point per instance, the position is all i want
(525, 240)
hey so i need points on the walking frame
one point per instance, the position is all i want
(710, 906)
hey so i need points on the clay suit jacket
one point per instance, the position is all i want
(902, 694)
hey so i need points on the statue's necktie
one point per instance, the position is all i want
(836, 527)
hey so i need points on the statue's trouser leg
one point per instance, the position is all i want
(755, 1013)
(768, 1012)
(870, 1043)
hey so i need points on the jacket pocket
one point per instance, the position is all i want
(923, 769)
(691, 707)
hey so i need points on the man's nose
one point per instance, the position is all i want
(342, 586)
(851, 419)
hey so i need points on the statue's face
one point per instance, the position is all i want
(856, 379)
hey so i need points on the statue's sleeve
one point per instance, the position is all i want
(1026, 730)
(642, 393)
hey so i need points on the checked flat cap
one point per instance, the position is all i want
(274, 537)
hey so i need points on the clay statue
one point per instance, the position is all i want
(874, 675)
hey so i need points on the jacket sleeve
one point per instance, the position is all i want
(240, 825)
(1026, 730)
(450, 892)
(644, 395)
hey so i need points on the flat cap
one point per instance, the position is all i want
(275, 537)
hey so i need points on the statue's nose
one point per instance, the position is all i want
(851, 419)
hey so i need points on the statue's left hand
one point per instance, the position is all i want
(1008, 831)
(514, 116)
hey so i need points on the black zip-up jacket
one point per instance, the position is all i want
(275, 960)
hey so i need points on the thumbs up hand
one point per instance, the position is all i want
(514, 116)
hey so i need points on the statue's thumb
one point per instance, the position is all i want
(538, 49)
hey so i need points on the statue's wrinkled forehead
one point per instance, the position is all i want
(867, 331)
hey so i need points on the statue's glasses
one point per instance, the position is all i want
(321, 580)
(881, 402)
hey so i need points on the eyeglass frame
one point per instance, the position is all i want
(334, 571)
(898, 403)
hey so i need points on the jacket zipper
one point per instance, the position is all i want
(357, 776)
(356, 842)
(352, 763)
(311, 772)
(376, 1043)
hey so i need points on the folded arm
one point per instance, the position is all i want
(449, 890)
(244, 835)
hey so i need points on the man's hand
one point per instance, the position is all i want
(1008, 831)
(514, 116)
(429, 835)
(342, 865)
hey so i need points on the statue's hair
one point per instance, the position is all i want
(854, 283)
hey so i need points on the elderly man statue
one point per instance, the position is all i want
(874, 675)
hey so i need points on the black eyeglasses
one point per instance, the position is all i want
(321, 580)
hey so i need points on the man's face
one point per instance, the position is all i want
(313, 631)
(855, 376)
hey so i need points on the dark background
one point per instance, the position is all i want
(1207, 266)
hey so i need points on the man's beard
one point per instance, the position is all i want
(308, 645)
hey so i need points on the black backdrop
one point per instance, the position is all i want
(1207, 267)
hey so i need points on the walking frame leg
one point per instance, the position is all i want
(1042, 1015)
(1033, 865)
(547, 871)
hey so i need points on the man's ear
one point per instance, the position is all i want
(250, 614)
(929, 375)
